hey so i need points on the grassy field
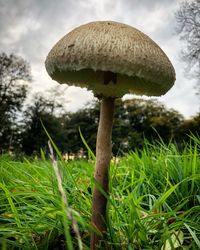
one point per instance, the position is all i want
(154, 201)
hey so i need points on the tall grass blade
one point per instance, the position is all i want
(67, 215)
(52, 142)
(11, 203)
(197, 241)
(86, 145)
(57, 151)
(164, 197)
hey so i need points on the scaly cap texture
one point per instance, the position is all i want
(129, 59)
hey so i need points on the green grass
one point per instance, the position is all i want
(154, 201)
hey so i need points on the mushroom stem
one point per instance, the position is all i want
(103, 157)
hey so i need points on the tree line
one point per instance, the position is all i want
(22, 128)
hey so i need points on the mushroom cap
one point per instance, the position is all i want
(111, 59)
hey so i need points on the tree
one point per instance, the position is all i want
(55, 100)
(87, 121)
(188, 18)
(143, 119)
(42, 111)
(14, 75)
(187, 128)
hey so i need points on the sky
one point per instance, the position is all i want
(30, 28)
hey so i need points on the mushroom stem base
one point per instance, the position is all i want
(103, 157)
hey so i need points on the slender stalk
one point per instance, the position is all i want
(103, 157)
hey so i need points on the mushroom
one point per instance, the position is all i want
(111, 59)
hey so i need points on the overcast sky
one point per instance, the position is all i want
(30, 28)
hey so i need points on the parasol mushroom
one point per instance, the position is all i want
(111, 59)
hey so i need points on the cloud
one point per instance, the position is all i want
(30, 28)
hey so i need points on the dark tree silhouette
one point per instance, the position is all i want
(14, 75)
(40, 111)
(139, 119)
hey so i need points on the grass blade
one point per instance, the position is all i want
(86, 145)
(193, 235)
(11, 203)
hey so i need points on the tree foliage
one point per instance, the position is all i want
(14, 74)
(41, 113)
(86, 120)
(139, 119)
(188, 18)
(187, 128)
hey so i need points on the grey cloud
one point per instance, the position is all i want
(46, 15)
(30, 27)
(146, 4)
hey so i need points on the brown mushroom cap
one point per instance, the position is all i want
(129, 59)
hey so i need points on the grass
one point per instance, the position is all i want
(154, 201)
